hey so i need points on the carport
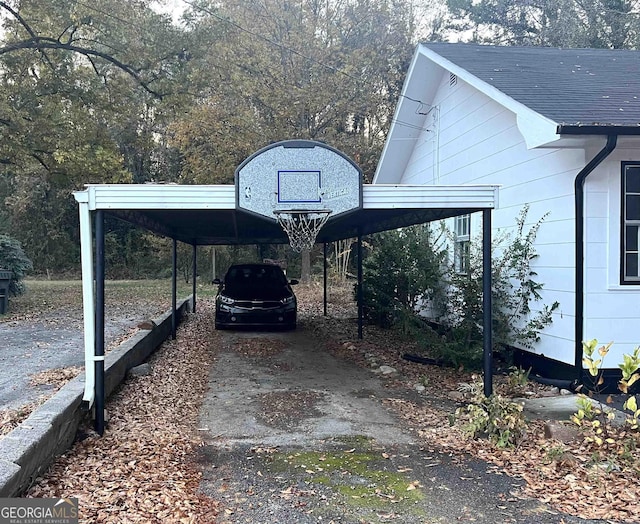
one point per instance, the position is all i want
(209, 215)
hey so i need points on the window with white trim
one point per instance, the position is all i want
(630, 241)
(461, 243)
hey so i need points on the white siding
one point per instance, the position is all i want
(612, 311)
(477, 141)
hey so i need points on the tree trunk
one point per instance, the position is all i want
(305, 271)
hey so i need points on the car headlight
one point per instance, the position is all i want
(227, 300)
(287, 300)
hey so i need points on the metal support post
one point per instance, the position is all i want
(174, 290)
(487, 317)
(325, 278)
(195, 275)
(360, 288)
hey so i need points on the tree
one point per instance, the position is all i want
(13, 258)
(319, 70)
(110, 91)
(81, 85)
(611, 24)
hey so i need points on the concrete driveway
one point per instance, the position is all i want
(293, 434)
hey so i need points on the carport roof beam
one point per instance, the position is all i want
(207, 215)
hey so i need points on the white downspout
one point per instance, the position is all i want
(88, 297)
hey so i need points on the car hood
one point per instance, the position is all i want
(256, 293)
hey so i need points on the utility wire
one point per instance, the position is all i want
(109, 15)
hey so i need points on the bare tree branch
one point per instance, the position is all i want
(41, 42)
(27, 28)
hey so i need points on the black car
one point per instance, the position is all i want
(255, 295)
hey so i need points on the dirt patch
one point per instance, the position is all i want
(285, 409)
(259, 347)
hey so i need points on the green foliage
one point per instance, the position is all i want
(495, 417)
(329, 72)
(80, 88)
(401, 269)
(13, 258)
(554, 453)
(113, 92)
(594, 419)
(408, 268)
(630, 367)
(556, 23)
(514, 292)
(517, 378)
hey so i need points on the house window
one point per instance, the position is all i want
(630, 242)
(462, 243)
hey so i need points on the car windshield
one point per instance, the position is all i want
(255, 276)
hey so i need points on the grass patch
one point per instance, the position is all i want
(66, 295)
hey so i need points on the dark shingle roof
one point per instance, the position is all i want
(568, 86)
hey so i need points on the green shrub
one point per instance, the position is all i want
(13, 258)
(401, 269)
(514, 290)
(593, 419)
(612, 440)
(408, 267)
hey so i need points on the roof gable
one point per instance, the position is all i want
(568, 86)
(552, 92)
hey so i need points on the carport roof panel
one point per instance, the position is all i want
(207, 215)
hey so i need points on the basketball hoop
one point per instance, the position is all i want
(302, 226)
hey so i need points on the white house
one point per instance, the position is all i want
(559, 130)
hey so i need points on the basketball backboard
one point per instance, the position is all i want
(298, 175)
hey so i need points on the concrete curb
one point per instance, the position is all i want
(51, 429)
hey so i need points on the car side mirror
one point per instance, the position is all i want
(293, 282)
(216, 281)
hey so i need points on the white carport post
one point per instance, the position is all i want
(88, 296)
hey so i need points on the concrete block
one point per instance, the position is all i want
(62, 405)
(28, 444)
(31, 448)
(9, 475)
(141, 370)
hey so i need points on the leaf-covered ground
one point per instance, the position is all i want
(142, 470)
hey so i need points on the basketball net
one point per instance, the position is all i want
(302, 226)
